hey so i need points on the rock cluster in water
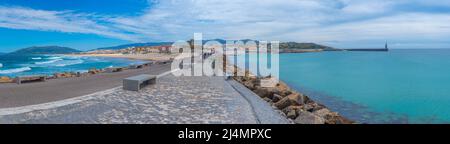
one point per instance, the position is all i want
(296, 106)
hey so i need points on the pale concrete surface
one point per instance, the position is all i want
(264, 112)
(172, 100)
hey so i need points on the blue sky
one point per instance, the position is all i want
(88, 24)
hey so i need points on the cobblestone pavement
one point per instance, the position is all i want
(171, 100)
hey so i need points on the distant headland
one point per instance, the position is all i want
(46, 50)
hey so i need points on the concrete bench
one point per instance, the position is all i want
(22, 79)
(136, 83)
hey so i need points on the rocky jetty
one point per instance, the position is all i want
(296, 106)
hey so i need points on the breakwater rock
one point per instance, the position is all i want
(64, 75)
(5, 79)
(296, 106)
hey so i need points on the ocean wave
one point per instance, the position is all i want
(72, 57)
(16, 70)
(36, 58)
(97, 59)
(55, 63)
(68, 63)
(1, 65)
(54, 58)
(48, 62)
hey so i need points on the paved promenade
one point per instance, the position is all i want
(13, 95)
(171, 100)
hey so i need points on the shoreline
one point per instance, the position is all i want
(295, 105)
(67, 74)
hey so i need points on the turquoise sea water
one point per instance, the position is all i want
(16, 65)
(399, 86)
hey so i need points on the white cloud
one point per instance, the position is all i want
(343, 21)
(61, 21)
(402, 27)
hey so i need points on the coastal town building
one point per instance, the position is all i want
(134, 50)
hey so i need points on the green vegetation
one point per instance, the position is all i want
(295, 45)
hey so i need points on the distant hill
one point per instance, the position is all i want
(288, 47)
(295, 45)
(135, 45)
(46, 50)
(285, 47)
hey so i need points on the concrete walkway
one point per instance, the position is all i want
(171, 100)
(183, 100)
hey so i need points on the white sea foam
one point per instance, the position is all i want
(16, 70)
(53, 58)
(82, 71)
(96, 59)
(55, 63)
(72, 57)
(36, 58)
(48, 62)
(68, 63)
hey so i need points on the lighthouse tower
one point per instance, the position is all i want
(386, 46)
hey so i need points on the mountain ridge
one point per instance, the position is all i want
(46, 50)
